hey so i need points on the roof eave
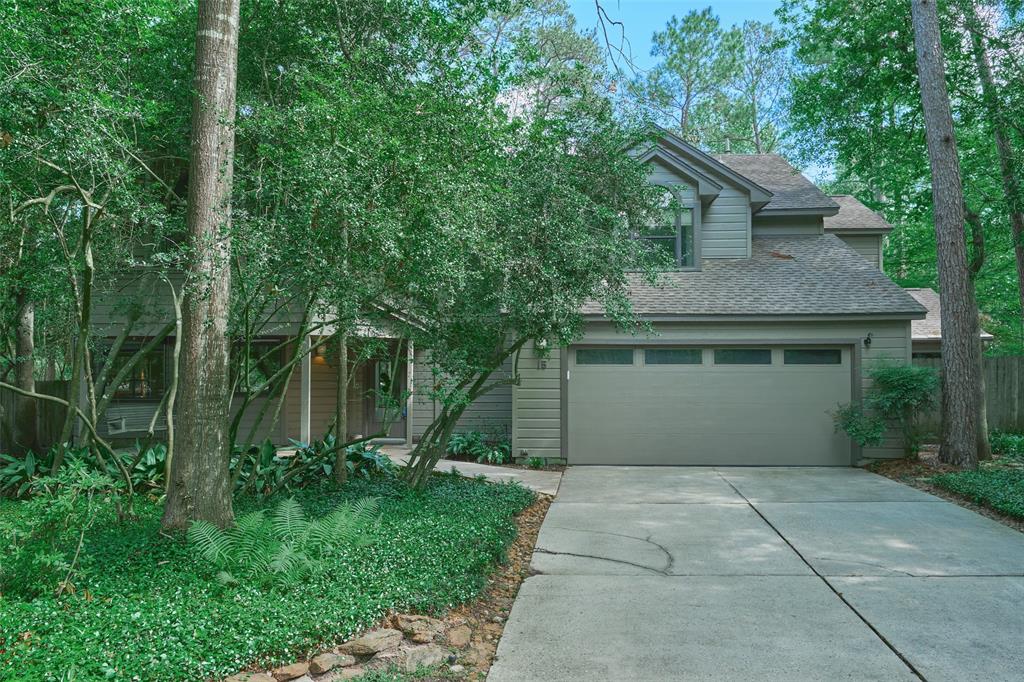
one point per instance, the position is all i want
(819, 210)
(787, 317)
(758, 194)
(858, 230)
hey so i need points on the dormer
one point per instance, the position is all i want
(707, 205)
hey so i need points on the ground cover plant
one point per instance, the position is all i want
(148, 607)
(998, 488)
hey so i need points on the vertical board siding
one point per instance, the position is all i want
(538, 412)
(51, 415)
(867, 245)
(1004, 386)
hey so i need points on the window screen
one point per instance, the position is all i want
(813, 356)
(604, 356)
(743, 356)
(672, 356)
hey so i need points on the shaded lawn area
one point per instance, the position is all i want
(155, 612)
(998, 488)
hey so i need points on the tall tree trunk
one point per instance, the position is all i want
(1004, 147)
(26, 416)
(200, 485)
(961, 352)
(341, 410)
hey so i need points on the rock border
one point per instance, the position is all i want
(465, 639)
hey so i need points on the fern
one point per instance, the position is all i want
(287, 546)
(290, 523)
(214, 544)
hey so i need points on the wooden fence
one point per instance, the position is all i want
(1003, 390)
(51, 415)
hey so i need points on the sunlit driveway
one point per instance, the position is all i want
(652, 573)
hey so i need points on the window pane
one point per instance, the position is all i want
(145, 380)
(687, 245)
(672, 356)
(604, 356)
(743, 356)
(813, 356)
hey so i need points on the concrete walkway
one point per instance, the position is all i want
(650, 573)
(541, 481)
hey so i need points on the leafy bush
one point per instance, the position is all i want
(900, 393)
(480, 447)
(147, 469)
(998, 489)
(368, 461)
(41, 555)
(16, 474)
(285, 547)
(535, 462)
(1007, 444)
(154, 613)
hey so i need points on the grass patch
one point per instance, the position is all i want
(149, 609)
(999, 489)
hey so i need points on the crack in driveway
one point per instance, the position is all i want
(670, 560)
(828, 584)
(657, 571)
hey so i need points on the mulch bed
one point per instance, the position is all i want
(916, 473)
(487, 615)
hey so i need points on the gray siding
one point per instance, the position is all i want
(537, 424)
(725, 226)
(492, 412)
(537, 405)
(867, 245)
(725, 222)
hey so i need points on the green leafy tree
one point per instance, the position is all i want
(698, 58)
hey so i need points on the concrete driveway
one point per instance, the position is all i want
(652, 573)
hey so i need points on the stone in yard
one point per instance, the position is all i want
(420, 629)
(329, 661)
(372, 642)
(457, 668)
(249, 677)
(346, 673)
(392, 658)
(290, 672)
(426, 655)
(459, 636)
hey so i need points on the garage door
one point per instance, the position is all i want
(759, 406)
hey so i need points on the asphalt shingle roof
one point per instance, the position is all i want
(791, 190)
(786, 275)
(853, 215)
(930, 328)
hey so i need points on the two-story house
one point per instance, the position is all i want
(774, 314)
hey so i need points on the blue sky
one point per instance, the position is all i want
(641, 18)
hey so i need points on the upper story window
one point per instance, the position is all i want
(671, 234)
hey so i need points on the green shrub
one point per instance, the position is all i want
(367, 461)
(41, 555)
(285, 547)
(535, 462)
(155, 613)
(998, 489)
(480, 447)
(898, 393)
(1007, 444)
